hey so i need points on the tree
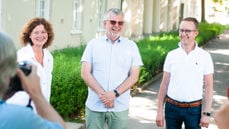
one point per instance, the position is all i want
(203, 11)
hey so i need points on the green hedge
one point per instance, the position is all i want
(153, 50)
(69, 91)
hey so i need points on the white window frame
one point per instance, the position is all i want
(42, 8)
(77, 17)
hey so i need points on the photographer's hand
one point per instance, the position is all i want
(31, 84)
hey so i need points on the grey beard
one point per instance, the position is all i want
(113, 35)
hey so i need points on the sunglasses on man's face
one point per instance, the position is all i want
(112, 22)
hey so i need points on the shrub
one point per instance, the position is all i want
(153, 50)
(69, 92)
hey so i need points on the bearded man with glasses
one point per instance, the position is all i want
(187, 77)
(110, 67)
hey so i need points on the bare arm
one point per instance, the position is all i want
(163, 91)
(89, 79)
(208, 94)
(130, 81)
(31, 84)
(94, 85)
(109, 96)
(161, 98)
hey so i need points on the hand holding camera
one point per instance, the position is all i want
(15, 82)
(31, 82)
(25, 78)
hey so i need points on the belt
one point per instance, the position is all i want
(184, 104)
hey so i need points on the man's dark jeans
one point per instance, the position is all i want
(175, 116)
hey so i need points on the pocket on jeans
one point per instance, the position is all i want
(195, 110)
(169, 107)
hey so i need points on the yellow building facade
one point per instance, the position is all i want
(75, 22)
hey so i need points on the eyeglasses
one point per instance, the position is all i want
(185, 31)
(112, 22)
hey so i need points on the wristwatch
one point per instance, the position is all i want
(116, 93)
(207, 113)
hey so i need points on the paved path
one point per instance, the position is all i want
(143, 106)
(72, 125)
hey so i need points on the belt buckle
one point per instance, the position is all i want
(186, 105)
(189, 105)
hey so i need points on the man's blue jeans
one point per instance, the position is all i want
(175, 116)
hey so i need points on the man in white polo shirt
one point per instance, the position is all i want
(188, 74)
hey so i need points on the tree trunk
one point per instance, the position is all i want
(203, 11)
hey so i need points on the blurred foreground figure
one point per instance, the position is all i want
(222, 115)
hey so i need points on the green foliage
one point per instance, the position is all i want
(69, 91)
(208, 31)
(153, 50)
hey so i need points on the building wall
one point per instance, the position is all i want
(61, 19)
(141, 17)
(14, 16)
(147, 17)
(0, 15)
(192, 8)
(133, 10)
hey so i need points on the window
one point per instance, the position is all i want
(42, 8)
(77, 16)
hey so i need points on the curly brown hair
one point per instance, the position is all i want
(30, 25)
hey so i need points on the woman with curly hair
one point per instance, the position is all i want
(37, 35)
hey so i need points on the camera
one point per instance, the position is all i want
(15, 82)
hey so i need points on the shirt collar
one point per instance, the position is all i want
(196, 45)
(117, 41)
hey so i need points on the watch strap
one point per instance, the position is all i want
(116, 93)
(207, 113)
